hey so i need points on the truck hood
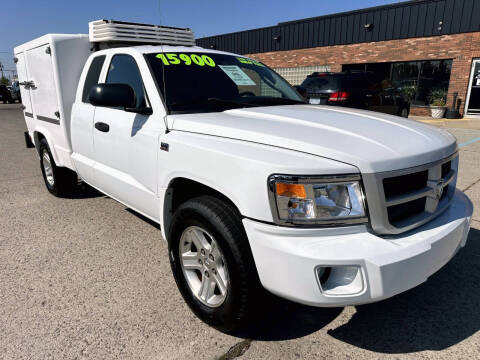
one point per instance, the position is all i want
(373, 142)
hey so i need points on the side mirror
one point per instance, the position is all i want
(140, 110)
(112, 95)
(301, 90)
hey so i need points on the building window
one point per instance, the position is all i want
(416, 79)
(296, 75)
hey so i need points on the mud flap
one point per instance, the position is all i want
(28, 140)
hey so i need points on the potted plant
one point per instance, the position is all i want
(438, 103)
(409, 91)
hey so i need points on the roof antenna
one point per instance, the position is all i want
(167, 130)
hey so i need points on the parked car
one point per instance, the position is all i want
(15, 90)
(361, 90)
(253, 188)
(5, 95)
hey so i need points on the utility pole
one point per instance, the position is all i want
(1, 65)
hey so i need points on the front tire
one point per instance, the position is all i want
(59, 181)
(212, 263)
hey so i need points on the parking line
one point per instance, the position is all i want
(469, 142)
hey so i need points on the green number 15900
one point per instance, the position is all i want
(187, 59)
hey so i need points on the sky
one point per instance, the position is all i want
(24, 20)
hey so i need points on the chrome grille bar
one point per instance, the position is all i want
(404, 211)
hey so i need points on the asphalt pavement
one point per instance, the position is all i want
(87, 278)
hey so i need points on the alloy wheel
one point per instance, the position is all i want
(47, 167)
(203, 266)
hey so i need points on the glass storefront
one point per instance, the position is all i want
(416, 79)
(473, 99)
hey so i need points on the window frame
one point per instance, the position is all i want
(87, 73)
(148, 103)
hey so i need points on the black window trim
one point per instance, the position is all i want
(86, 75)
(157, 85)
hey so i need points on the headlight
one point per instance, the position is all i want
(317, 200)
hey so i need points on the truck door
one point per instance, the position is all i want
(23, 79)
(126, 144)
(43, 91)
(82, 121)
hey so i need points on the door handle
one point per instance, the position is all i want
(27, 84)
(100, 126)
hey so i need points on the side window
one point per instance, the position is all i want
(124, 70)
(92, 76)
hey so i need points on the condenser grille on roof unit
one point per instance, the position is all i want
(118, 31)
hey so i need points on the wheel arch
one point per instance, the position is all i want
(181, 189)
(38, 135)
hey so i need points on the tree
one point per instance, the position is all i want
(4, 81)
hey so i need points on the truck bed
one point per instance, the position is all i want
(49, 69)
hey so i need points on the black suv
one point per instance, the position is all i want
(362, 90)
(5, 95)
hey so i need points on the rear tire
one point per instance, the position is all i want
(404, 112)
(59, 181)
(213, 221)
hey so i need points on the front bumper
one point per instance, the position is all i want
(287, 258)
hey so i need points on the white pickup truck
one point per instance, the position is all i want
(253, 188)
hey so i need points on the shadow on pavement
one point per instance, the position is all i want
(436, 315)
(285, 320)
(144, 218)
(84, 191)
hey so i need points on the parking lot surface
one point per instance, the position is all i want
(86, 278)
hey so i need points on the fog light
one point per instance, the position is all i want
(342, 280)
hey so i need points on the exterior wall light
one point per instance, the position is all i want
(368, 27)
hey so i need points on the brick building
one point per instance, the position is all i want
(419, 46)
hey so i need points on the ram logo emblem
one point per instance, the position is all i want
(438, 189)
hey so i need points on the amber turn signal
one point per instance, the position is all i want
(291, 190)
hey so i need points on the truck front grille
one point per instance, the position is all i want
(401, 212)
(446, 167)
(408, 198)
(403, 184)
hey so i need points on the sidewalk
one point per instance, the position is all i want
(465, 123)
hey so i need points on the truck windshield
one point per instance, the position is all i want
(208, 82)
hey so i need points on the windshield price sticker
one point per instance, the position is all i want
(186, 59)
(237, 75)
(249, 61)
